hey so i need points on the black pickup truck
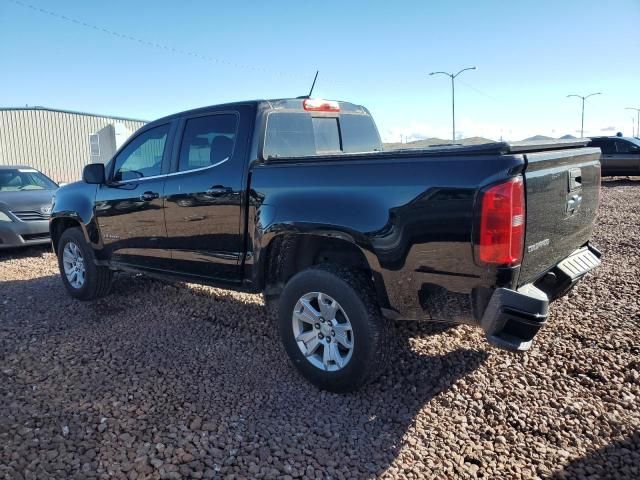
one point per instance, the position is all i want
(296, 199)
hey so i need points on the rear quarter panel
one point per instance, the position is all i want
(412, 216)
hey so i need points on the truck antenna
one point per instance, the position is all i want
(313, 84)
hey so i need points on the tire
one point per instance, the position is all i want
(96, 280)
(358, 313)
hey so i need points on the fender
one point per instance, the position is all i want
(75, 207)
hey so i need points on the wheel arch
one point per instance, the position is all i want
(290, 253)
(59, 224)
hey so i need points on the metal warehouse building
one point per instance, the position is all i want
(60, 142)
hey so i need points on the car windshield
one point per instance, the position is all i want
(23, 179)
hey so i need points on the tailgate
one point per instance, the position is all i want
(562, 195)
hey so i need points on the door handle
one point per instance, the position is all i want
(148, 196)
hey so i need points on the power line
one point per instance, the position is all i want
(124, 36)
(480, 91)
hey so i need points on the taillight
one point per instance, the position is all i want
(317, 105)
(502, 219)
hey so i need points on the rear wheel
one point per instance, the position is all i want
(82, 278)
(332, 328)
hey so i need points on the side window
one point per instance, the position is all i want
(626, 147)
(142, 157)
(207, 141)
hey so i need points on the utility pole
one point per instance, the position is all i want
(453, 97)
(583, 99)
(637, 134)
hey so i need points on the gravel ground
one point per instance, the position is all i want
(181, 381)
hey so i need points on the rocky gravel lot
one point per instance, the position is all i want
(181, 381)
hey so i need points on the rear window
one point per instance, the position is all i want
(289, 135)
(326, 133)
(299, 134)
(359, 134)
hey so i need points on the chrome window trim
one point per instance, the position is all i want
(199, 169)
(154, 177)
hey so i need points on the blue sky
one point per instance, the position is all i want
(529, 54)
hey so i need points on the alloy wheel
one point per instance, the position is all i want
(323, 331)
(73, 263)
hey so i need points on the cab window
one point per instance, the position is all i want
(327, 134)
(626, 147)
(142, 157)
(289, 135)
(300, 134)
(207, 141)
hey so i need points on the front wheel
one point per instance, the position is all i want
(332, 328)
(82, 278)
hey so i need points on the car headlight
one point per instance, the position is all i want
(4, 217)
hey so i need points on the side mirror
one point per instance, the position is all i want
(93, 173)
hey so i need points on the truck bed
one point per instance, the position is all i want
(493, 148)
(416, 212)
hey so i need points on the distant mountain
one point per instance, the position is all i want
(538, 137)
(428, 142)
(544, 137)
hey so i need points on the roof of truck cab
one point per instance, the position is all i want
(195, 111)
(266, 102)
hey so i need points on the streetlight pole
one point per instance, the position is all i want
(453, 97)
(583, 99)
(638, 121)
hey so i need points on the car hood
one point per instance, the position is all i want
(26, 200)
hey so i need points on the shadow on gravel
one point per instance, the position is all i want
(620, 182)
(156, 364)
(24, 252)
(418, 329)
(619, 460)
(413, 381)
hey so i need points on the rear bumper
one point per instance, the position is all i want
(23, 234)
(513, 317)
